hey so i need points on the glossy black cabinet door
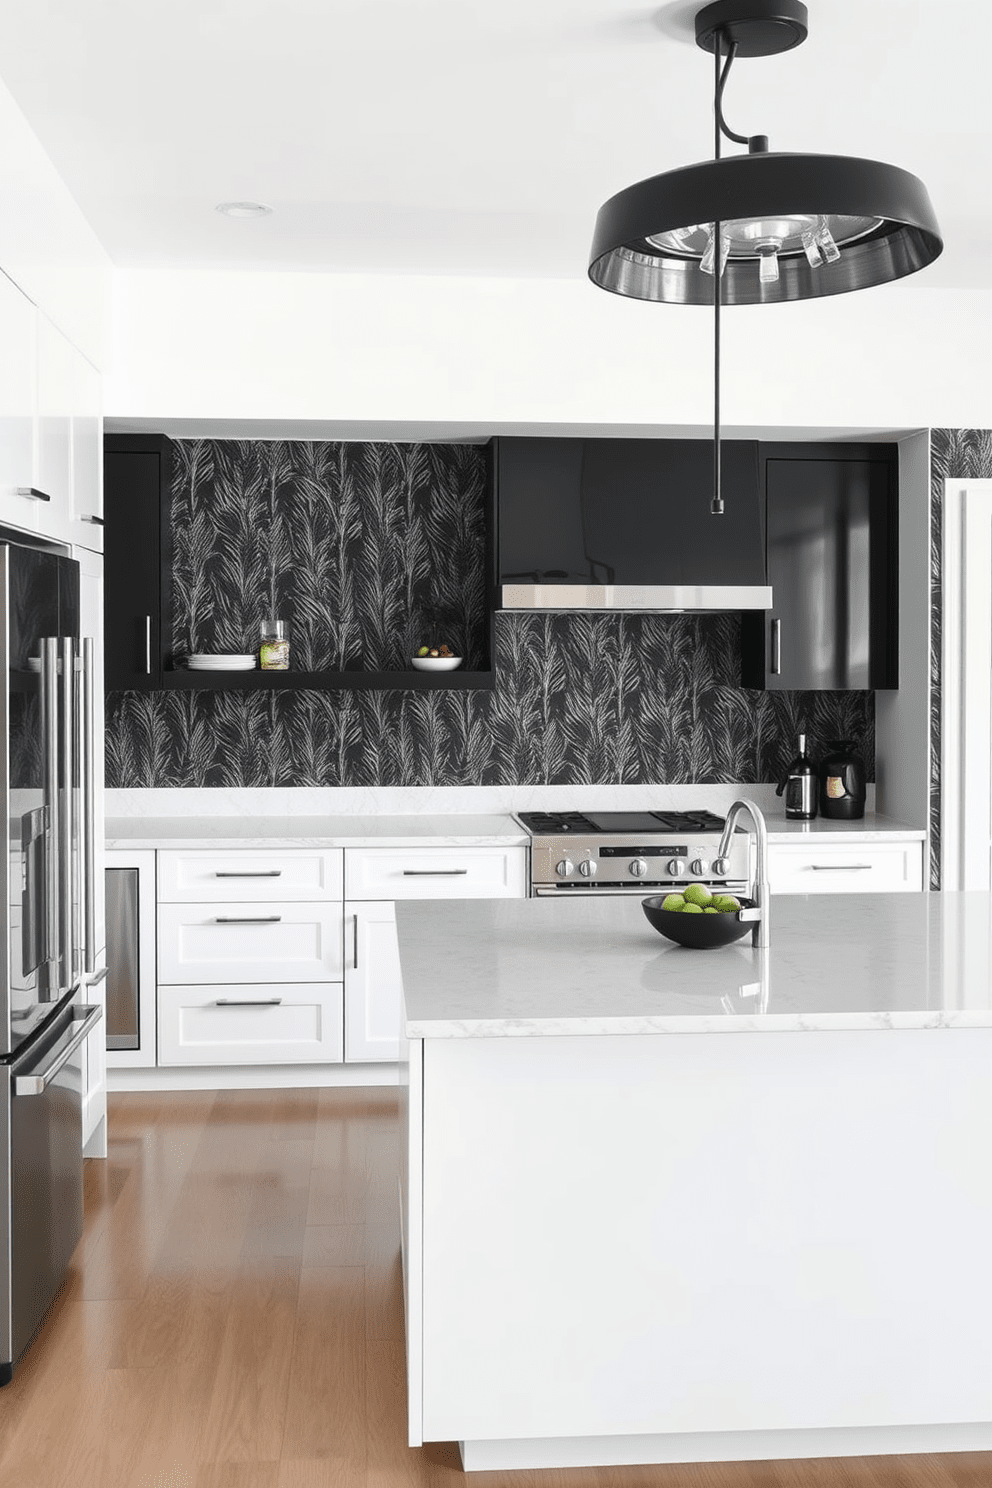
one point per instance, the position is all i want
(833, 567)
(627, 511)
(134, 475)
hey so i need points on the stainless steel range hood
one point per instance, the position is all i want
(669, 599)
(625, 524)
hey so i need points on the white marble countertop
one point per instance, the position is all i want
(517, 968)
(417, 828)
(871, 828)
(223, 832)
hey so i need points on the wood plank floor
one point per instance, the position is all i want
(233, 1319)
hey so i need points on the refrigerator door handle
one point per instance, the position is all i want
(50, 737)
(87, 785)
(84, 1020)
(68, 827)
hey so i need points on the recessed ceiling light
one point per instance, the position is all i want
(243, 209)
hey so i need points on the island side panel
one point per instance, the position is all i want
(712, 1232)
(411, 1084)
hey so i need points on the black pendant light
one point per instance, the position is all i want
(760, 228)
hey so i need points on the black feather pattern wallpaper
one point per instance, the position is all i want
(955, 454)
(365, 546)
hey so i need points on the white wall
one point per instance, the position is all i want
(360, 349)
(46, 244)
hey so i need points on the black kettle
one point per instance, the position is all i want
(842, 782)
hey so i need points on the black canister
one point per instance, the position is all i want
(842, 782)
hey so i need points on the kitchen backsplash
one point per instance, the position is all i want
(364, 548)
(348, 542)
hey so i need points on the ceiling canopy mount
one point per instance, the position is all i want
(757, 28)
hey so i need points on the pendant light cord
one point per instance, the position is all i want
(721, 82)
(757, 144)
(720, 77)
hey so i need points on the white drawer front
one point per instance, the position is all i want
(248, 1024)
(249, 943)
(192, 877)
(846, 868)
(436, 873)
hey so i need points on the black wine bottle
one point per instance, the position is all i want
(800, 786)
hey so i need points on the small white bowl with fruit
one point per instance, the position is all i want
(435, 659)
(696, 918)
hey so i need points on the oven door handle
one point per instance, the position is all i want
(84, 1020)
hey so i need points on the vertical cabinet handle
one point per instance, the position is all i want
(354, 960)
(148, 645)
(776, 662)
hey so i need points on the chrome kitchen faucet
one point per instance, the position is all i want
(760, 934)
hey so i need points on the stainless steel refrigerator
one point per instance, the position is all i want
(47, 937)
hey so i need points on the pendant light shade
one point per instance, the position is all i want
(791, 227)
(650, 239)
(760, 228)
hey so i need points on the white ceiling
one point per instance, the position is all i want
(460, 137)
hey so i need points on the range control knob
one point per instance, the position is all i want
(588, 868)
(639, 867)
(721, 866)
(700, 866)
(676, 867)
(564, 868)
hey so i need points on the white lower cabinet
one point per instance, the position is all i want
(435, 872)
(374, 878)
(250, 968)
(279, 941)
(259, 962)
(850, 867)
(292, 1023)
(371, 982)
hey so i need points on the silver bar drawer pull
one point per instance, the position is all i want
(33, 493)
(247, 919)
(434, 872)
(262, 873)
(95, 520)
(776, 666)
(249, 1002)
(839, 867)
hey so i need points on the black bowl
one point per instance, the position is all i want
(700, 932)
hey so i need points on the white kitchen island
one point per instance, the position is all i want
(670, 1205)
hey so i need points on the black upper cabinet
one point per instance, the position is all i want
(134, 475)
(138, 592)
(627, 511)
(832, 534)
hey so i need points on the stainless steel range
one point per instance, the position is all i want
(631, 852)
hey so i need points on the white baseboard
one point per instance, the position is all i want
(722, 1446)
(252, 1077)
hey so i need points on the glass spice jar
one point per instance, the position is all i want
(273, 653)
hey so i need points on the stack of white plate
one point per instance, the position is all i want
(219, 661)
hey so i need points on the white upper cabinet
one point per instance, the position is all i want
(17, 408)
(51, 428)
(53, 456)
(86, 440)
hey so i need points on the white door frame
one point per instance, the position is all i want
(966, 686)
